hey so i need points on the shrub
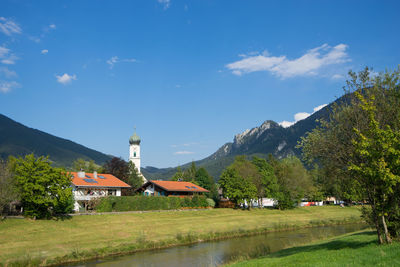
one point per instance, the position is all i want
(210, 202)
(132, 203)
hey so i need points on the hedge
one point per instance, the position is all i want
(131, 203)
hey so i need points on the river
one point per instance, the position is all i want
(219, 252)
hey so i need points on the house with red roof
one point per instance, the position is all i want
(170, 188)
(87, 186)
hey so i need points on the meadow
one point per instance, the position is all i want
(44, 242)
(357, 249)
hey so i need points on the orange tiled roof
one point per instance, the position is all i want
(103, 180)
(179, 186)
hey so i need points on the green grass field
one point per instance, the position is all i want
(359, 249)
(81, 237)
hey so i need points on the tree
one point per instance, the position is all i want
(117, 167)
(203, 179)
(377, 166)
(88, 166)
(266, 182)
(294, 181)
(45, 191)
(134, 179)
(235, 186)
(359, 147)
(7, 186)
(178, 176)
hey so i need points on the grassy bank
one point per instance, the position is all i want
(359, 249)
(81, 237)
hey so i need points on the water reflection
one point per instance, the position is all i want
(220, 252)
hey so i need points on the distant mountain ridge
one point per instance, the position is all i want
(268, 138)
(17, 139)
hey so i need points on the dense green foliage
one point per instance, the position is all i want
(8, 191)
(198, 176)
(126, 172)
(85, 165)
(235, 186)
(44, 190)
(286, 181)
(19, 140)
(132, 203)
(359, 148)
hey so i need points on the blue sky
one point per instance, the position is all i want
(188, 74)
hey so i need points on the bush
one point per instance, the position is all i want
(132, 203)
(210, 202)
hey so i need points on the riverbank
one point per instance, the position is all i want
(46, 242)
(357, 249)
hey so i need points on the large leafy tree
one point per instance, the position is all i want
(266, 182)
(294, 181)
(117, 167)
(377, 166)
(237, 184)
(45, 191)
(358, 147)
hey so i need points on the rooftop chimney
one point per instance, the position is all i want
(95, 175)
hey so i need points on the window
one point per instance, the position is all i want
(134, 154)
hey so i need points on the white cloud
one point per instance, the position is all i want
(286, 124)
(35, 39)
(300, 116)
(114, 60)
(8, 73)
(6, 86)
(165, 3)
(44, 51)
(320, 107)
(6, 56)
(281, 66)
(52, 26)
(4, 51)
(9, 27)
(66, 78)
(337, 77)
(183, 152)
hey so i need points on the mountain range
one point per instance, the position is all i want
(269, 138)
(17, 139)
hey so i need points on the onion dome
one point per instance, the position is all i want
(134, 140)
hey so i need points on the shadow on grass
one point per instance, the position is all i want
(332, 245)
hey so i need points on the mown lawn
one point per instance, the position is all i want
(42, 241)
(360, 249)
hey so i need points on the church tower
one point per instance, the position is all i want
(134, 150)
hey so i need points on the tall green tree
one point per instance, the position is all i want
(358, 147)
(45, 191)
(266, 182)
(134, 179)
(294, 181)
(203, 179)
(377, 167)
(7, 186)
(236, 181)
